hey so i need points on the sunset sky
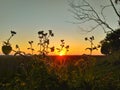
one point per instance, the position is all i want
(27, 17)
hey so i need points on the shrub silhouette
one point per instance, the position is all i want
(111, 43)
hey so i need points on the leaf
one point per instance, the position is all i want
(90, 38)
(50, 32)
(13, 32)
(62, 45)
(17, 46)
(5, 42)
(98, 46)
(29, 42)
(40, 32)
(32, 49)
(67, 47)
(38, 44)
(28, 48)
(52, 49)
(45, 34)
(93, 38)
(62, 40)
(47, 41)
(95, 48)
(88, 48)
(86, 38)
(57, 48)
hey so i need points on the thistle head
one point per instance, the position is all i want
(13, 33)
(40, 32)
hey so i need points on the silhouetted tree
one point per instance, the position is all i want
(105, 48)
(85, 12)
(111, 43)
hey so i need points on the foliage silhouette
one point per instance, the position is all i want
(44, 42)
(63, 47)
(92, 46)
(6, 48)
(18, 51)
(116, 1)
(31, 47)
(111, 43)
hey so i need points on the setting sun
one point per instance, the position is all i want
(62, 53)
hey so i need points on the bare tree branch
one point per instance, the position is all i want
(103, 8)
(115, 9)
(84, 12)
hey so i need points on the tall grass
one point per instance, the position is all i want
(114, 58)
(38, 73)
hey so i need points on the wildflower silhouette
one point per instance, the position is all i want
(63, 48)
(92, 46)
(31, 47)
(18, 52)
(44, 42)
(6, 48)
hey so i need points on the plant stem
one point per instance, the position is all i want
(9, 38)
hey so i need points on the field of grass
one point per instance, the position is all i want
(60, 72)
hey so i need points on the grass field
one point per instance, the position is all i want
(60, 72)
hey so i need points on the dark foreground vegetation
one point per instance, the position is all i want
(60, 72)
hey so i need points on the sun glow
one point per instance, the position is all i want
(62, 53)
